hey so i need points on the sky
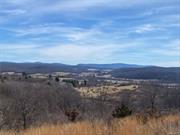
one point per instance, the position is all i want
(145, 32)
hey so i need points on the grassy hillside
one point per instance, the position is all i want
(128, 126)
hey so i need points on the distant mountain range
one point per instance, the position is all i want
(54, 67)
(110, 66)
(119, 70)
(36, 67)
(171, 74)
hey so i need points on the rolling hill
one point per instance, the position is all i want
(171, 74)
(55, 67)
(119, 70)
(110, 66)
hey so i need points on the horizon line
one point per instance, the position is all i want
(143, 65)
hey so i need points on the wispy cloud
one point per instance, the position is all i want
(144, 28)
(12, 12)
(17, 47)
(169, 49)
(98, 31)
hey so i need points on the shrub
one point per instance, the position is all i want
(121, 112)
(72, 114)
(57, 79)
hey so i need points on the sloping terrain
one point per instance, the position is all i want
(160, 73)
(110, 66)
(37, 67)
(55, 67)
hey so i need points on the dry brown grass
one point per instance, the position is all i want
(97, 91)
(168, 125)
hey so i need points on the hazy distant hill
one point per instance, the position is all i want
(54, 67)
(37, 67)
(166, 74)
(118, 70)
(110, 66)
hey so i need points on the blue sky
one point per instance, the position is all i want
(91, 31)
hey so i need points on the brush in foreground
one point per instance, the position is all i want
(169, 125)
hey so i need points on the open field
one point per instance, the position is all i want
(169, 125)
(97, 91)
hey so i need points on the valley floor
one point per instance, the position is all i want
(166, 125)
